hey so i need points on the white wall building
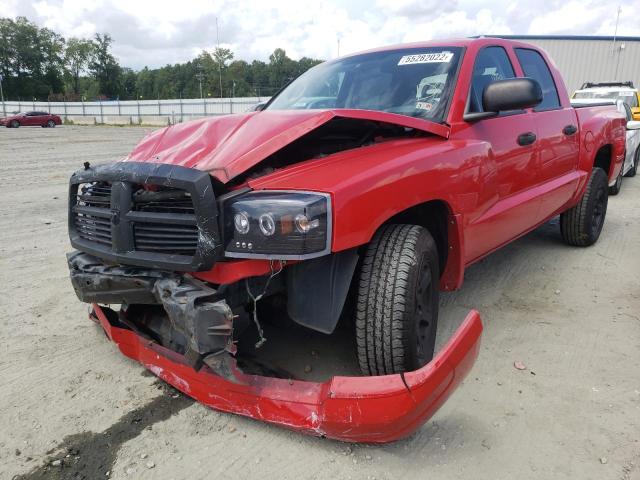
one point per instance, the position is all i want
(590, 59)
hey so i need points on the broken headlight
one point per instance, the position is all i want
(278, 225)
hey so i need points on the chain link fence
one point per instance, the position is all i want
(135, 112)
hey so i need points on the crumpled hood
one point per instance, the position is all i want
(228, 145)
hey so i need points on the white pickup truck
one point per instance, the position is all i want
(632, 143)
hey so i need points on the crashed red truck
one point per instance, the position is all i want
(365, 187)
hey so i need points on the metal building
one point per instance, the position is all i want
(590, 59)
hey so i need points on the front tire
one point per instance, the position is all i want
(615, 189)
(397, 301)
(581, 225)
(51, 124)
(15, 124)
(636, 160)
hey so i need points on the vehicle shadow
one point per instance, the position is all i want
(314, 356)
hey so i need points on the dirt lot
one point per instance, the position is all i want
(571, 316)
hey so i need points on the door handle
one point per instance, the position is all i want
(526, 138)
(569, 129)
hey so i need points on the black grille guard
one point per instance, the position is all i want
(122, 176)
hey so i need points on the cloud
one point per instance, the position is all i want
(154, 33)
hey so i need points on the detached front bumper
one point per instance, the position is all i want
(358, 409)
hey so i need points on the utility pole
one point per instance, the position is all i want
(219, 59)
(613, 47)
(200, 77)
(615, 33)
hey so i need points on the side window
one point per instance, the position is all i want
(534, 66)
(492, 63)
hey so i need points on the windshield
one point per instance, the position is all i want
(416, 82)
(627, 96)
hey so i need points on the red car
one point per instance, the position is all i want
(355, 195)
(31, 119)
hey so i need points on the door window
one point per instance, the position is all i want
(534, 66)
(492, 63)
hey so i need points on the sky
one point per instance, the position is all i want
(158, 32)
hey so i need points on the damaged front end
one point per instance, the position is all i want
(181, 329)
(357, 409)
(179, 311)
(152, 238)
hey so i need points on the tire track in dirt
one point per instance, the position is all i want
(92, 454)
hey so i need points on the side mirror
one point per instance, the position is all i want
(635, 112)
(511, 94)
(633, 125)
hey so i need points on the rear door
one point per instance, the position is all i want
(558, 138)
(42, 118)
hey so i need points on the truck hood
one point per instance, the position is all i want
(227, 146)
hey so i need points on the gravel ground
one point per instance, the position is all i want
(69, 402)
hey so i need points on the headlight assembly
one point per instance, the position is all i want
(277, 224)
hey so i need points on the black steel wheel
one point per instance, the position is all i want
(581, 225)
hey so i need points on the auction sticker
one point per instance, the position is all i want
(426, 106)
(439, 57)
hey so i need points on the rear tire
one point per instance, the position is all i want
(636, 160)
(581, 225)
(615, 190)
(397, 301)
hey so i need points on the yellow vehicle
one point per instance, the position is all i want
(624, 91)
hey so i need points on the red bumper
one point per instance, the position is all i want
(357, 409)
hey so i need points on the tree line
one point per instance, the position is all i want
(38, 63)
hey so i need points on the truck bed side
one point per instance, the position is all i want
(602, 134)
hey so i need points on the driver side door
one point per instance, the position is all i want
(510, 171)
(30, 119)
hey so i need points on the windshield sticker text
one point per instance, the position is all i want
(441, 57)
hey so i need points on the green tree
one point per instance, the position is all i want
(77, 55)
(281, 68)
(128, 84)
(31, 58)
(104, 67)
(37, 62)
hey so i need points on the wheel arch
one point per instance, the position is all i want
(604, 159)
(445, 227)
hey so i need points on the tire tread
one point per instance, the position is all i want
(380, 323)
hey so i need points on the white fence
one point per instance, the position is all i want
(176, 110)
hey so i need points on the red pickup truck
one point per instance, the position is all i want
(356, 194)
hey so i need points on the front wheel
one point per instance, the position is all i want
(615, 189)
(51, 124)
(15, 124)
(581, 225)
(397, 301)
(634, 168)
